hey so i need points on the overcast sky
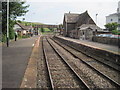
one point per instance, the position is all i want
(52, 11)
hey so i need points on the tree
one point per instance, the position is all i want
(116, 32)
(111, 26)
(15, 9)
(42, 29)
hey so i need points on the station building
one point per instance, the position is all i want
(80, 26)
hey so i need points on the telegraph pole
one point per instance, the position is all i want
(66, 25)
(7, 23)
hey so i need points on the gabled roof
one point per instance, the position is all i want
(92, 26)
(85, 18)
(82, 15)
(23, 26)
(117, 14)
(71, 17)
(29, 27)
(74, 18)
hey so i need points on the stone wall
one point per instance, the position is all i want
(106, 40)
(94, 52)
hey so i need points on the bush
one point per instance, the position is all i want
(25, 36)
(19, 36)
(4, 38)
(116, 32)
(111, 26)
(11, 33)
(42, 30)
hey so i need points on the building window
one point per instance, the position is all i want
(119, 19)
(119, 25)
(111, 19)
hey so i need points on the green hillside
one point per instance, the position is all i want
(47, 30)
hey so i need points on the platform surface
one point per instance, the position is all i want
(105, 47)
(15, 60)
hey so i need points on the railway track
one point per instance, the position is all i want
(106, 62)
(93, 65)
(61, 74)
(42, 74)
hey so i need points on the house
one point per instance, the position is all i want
(73, 21)
(22, 29)
(115, 17)
(69, 22)
(79, 26)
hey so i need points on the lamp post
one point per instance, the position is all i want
(23, 19)
(96, 26)
(7, 23)
(96, 19)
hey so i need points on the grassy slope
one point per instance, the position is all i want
(46, 30)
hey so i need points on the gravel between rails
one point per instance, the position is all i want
(42, 78)
(94, 77)
(62, 76)
(109, 71)
(112, 73)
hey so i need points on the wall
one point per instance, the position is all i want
(17, 27)
(113, 17)
(93, 52)
(105, 40)
(70, 26)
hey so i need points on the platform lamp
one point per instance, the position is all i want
(96, 25)
(96, 18)
(23, 19)
(7, 23)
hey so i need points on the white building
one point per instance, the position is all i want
(115, 17)
(22, 29)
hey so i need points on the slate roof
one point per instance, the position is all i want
(71, 17)
(92, 26)
(74, 18)
(118, 14)
(23, 26)
(82, 16)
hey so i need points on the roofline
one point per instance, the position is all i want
(113, 14)
(25, 28)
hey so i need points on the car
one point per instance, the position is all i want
(115, 36)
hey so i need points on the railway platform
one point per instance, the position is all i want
(15, 60)
(102, 51)
(105, 47)
(52, 66)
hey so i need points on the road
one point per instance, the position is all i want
(14, 61)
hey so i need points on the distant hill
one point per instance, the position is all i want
(30, 23)
(38, 23)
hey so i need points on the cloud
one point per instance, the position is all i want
(53, 12)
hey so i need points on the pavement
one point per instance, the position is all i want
(15, 60)
(30, 80)
(105, 47)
